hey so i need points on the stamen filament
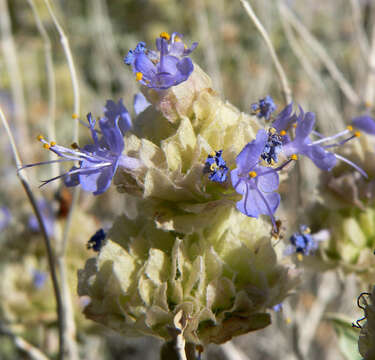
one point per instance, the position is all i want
(328, 138)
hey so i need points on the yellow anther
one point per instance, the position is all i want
(213, 167)
(350, 128)
(282, 132)
(299, 257)
(357, 134)
(294, 125)
(46, 146)
(53, 143)
(288, 320)
(40, 137)
(253, 174)
(74, 146)
(294, 157)
(212, 153)
(165, 35)
(138, 76)
(272, 130)
(177, 38)
(307, 230)
(75, 116)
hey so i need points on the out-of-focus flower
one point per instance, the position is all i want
(305, 243)
(98, 162)
(264, 108)
(256, 183)
(366, 341)
(96, 241)
(39, 278)
(216, 167)
(166, 67)
(277, 307)
(5, 217)
(48, 216)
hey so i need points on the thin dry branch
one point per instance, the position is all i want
(280, 71)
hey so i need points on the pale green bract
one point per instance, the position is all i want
(182, 245)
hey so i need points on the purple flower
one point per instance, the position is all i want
(303, 144)
(97, 162)
(48, 217)
(365, 123)
(305, 243)
(277, 307)
(117, 112)
(264, 108)
(164, 68)
(256, 183)
(96, 241)
(39, 279)
(216, 167)
(5, 217)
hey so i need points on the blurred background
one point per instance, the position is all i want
(324, 49)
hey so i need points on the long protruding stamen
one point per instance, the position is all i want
(344, 159)
(342, 142)
(329, 138)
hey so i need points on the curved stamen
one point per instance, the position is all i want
(352, 164)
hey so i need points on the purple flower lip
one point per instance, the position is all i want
(256, 183)
(365, 123)
(166, 67)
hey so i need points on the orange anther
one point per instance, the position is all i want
(165, 35)
(138, 76)
(282, 132)
(294, 157)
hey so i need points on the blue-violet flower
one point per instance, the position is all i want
(216, 167)
(166, 67)
(256, 183)
(97, 162)
(264, 108)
